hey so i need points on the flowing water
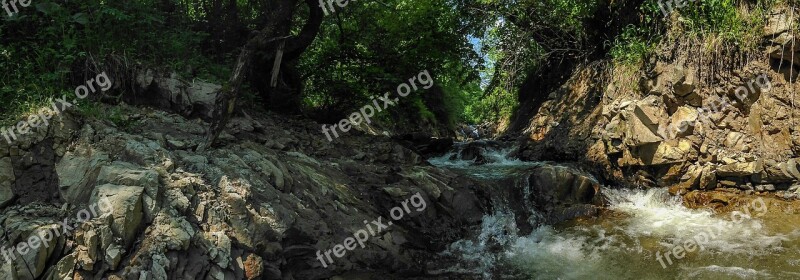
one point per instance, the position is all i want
(626, 241)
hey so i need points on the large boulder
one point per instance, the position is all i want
(741, 169)
(424, 144)
(561, 193)
(644, 121)
(77, 172)
(170, 92)
(126, 210)
(667, 152)
(127, 174)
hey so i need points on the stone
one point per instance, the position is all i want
(686, 82)
(127, 210)
(6, 181)
(113, 255)
(767, 187)
(734, 140)
(708, 180)
(682, 122)
(667, 152)
(741, 169)
(777, 22)
(35, 258)
(65, 268)
(77, 172)
(253, 266)
(643, 122)
(690, 180)
(220, 254)
(790, 168)
(560, 192)
(128, 174)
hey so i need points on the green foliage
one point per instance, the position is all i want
(726, 19)
(633, 45)
(369, 48)
(41, 43)
(736, 22)
(362, 50)
(115, 114)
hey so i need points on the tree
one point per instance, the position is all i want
(271, 46)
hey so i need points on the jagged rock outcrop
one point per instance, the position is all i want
(679, 122)
(259, 206)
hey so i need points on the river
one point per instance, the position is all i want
(626, 240)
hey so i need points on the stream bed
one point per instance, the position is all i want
(642, 234)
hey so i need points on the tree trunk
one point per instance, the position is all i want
(266, 43)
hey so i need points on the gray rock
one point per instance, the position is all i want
(6, 181)
(126, 211)
(77, 172)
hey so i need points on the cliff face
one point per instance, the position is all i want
(694, 117)
(259, 206)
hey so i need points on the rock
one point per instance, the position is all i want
(643, 122)
(127, 174)
(790, 168)
(127, 210)
(709, 178)
(667, 152)
(34, 258)
(174, 233)
(734, 140)
(682, 122)
(65, 268)
(777, 22)
(425, 145)
(476, 150)
(685, 83)
(159, 267)
(690, 180)
(170, 92)
(176, 144)
(113, 256)
(556, 191)
(767, 187)
(6, 181)
(253, 267)
(220, 253)
(741, 169)
(77, 172)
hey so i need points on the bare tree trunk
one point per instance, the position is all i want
(226, 98)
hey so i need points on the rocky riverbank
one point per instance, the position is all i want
(621, 121)
(259, 206)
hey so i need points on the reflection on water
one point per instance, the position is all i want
(624, 243)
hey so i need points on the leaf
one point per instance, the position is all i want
(48, 8)
(80, 18)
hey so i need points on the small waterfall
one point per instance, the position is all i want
(477, 153)
(624, 242)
